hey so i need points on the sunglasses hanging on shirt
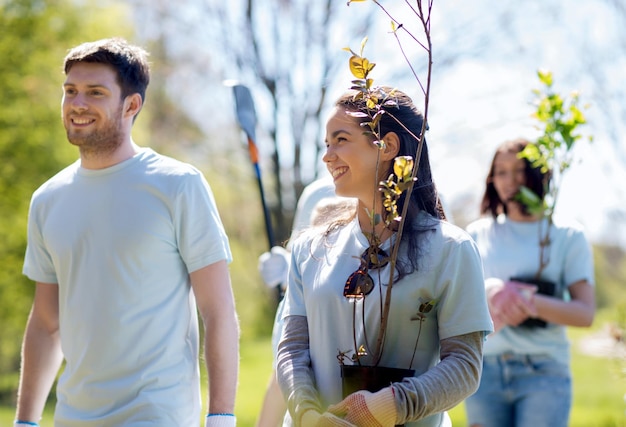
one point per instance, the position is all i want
(360, 283)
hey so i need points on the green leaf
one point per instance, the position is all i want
(545, 76)
(531, 200)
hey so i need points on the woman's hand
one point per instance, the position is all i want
(366, 409)
(312, 418)
(510, 303)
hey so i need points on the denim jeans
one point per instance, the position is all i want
(521, 391)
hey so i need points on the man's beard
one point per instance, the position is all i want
(100, 142)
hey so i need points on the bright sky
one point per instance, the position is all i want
(484, 100)
(486, 54)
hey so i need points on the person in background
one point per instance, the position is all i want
(317, 205)
(438, 275)
(126, 246)
(314, 193)
(274, 264)
(526, 380)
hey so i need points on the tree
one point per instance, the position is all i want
(287, 52)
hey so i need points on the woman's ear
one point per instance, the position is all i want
(392, 146)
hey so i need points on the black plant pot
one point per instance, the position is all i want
(370, 378)
(544, 288)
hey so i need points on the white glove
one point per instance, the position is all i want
(312, 418)
(19, 423)
(274, 266)
(220, 420)
(367, 409)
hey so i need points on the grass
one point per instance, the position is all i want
(599, 386)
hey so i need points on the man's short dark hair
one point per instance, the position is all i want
(129, 62)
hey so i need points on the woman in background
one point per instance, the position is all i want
(526, 379)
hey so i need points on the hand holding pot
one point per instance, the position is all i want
(510, 303)
(312, 418)
(367, 409)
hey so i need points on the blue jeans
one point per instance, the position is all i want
(521, 391)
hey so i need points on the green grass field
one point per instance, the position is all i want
(599, 387)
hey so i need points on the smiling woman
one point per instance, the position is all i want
(329, 329)
(353, 160)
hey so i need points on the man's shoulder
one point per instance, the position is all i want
(58, 180)
(167, 165)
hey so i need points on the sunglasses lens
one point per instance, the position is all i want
(375, 257)
(358, 285)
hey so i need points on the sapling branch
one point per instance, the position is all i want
(376, 100)
(559, 119)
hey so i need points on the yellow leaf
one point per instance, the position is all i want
(403, 166)
(363, 43)
(358, 66)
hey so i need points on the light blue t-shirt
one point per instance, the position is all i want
(322, 188)
(120, 243)
(449, 276)
(511, 249)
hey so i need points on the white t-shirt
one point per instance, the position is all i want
(450, 276)
(312, 194)
(511, 249)
(317, 191)
(120, 243)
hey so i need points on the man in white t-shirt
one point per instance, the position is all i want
(126, 246)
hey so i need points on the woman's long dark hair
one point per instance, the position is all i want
(536, 180)
(424, 196)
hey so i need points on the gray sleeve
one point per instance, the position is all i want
(445, 385)
(293, 368)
